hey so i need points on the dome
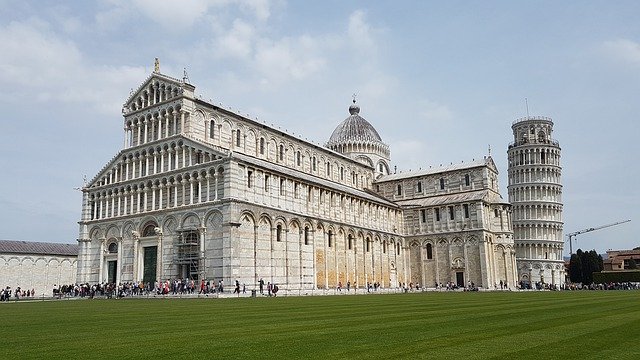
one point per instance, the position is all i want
(354, 129)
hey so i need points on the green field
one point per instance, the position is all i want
(501, 325)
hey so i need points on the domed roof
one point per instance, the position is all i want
(354, 128)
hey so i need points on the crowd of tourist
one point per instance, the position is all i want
(18, 293)
(177, 287)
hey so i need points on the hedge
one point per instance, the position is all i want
(616, 276)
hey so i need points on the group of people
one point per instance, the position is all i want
(272, 289)
(7, 292)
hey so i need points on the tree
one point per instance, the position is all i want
(575, 268)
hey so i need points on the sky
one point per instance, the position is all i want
(442, 83)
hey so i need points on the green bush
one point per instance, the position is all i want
(616, 276)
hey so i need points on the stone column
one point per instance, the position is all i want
(175, 193)
(125, 195)
(119, 261)
(184, 183)
(215, 181)
(161, 189)
(208, 187)
(159, 268)
(202, 260)
(155, 162)
(166, 125)
(113, 204)
(175, 122)
(146, 135)
(153, 197)
(190, 190)
(146, 164)
(119, 197)
(144, 198)
(153, 128)
(136, 250)
(101, 255)
(199, 189)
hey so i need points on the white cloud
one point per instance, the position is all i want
(360, 32)
(238, 42)
(434, 112)
(622, 50)
(289, 58)
(261, 9)
(41, 66)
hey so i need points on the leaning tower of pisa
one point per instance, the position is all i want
(535, 191)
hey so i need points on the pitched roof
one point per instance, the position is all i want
(40, 248)
(447, 199)
(487, 161)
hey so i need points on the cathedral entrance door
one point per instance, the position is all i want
(149, 264)
(111, 271)
(460, 278)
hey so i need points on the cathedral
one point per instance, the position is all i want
(202, 192)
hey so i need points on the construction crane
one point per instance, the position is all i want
(574, 234)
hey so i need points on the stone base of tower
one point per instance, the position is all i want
(541, 272)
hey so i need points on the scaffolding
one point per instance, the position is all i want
(187, 255)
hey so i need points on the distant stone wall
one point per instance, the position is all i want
(37, 272)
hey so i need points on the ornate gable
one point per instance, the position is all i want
(491, 165)
(157, 88)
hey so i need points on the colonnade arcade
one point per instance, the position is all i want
(534, 174)
(538, 230)
(161, 124)
(172, 191)
(540, 155)
(154, 160)
(552, 193)
(545, 212)
(539, 250)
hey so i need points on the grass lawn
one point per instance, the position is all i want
(501, 325)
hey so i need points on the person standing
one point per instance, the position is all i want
(261, 286)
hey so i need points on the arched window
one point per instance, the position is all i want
(330, 238)
(368, 245)
(350, 242)
(419, 186)
(313, 164)
(298, 158)
(238, 137)
(429, 252)
(149, 230)
(261, 146)
(279, 232)
(281, 152)
(212, 129)
(113, 247)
